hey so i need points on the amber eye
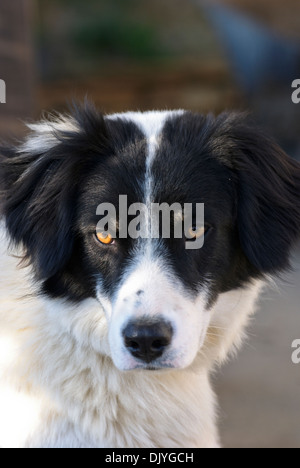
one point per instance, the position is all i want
(196, 232)
(105, 238)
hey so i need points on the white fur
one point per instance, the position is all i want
(188, 318)
(60, 388)
(44, 134)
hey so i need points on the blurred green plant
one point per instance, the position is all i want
(111, 36)
(74, 37)
(106, 27)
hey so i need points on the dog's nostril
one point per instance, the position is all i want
(147, 341)
(133, 345)
(158, 344)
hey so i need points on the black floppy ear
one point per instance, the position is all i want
(39, 183)
(268, 184)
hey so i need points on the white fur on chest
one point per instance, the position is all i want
(59, 387)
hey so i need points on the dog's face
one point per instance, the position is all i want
(156, 293)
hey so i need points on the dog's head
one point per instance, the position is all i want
(156, 291)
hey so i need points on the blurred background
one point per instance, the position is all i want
(206, 56)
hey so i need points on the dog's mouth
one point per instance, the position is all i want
(153, 368)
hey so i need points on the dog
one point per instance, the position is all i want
(110, 342)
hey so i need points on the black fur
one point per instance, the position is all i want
(268, 187)
(249, 186)
(40, 191)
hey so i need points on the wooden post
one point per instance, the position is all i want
(16, 65)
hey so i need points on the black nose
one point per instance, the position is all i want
(147, 341)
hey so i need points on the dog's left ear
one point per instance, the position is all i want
(39, 184)
(268, 190)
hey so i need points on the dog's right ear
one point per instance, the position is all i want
(267, 192)
(39, 181)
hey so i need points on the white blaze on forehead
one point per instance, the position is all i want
(151, 124)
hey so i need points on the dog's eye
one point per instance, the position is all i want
(195, 232)
(105, 238)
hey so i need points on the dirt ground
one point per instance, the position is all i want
(259, 391)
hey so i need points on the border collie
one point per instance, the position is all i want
(110, 342)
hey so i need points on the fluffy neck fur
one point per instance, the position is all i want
(59, 387)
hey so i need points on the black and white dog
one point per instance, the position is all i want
(109, 342)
